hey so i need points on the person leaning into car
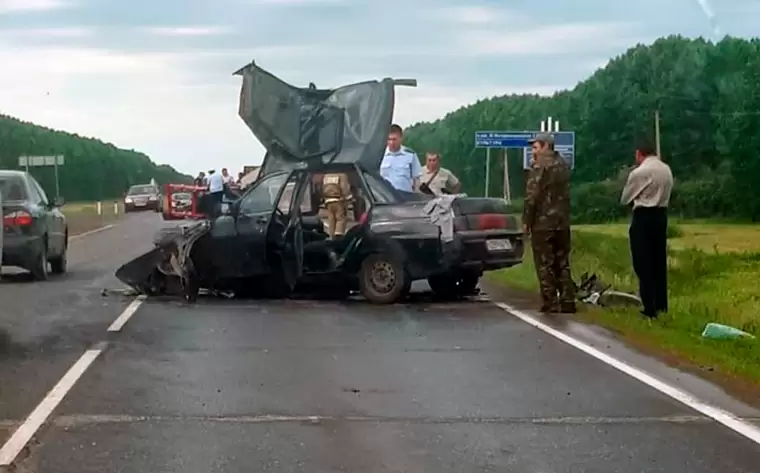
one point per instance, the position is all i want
(336, 190)
(400, 165)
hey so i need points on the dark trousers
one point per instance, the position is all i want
(648, 238)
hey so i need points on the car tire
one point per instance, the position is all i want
(40, 268)
(59, 263)
(382, 279)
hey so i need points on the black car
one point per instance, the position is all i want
(35, 233)
(142, 197)
(270, 241)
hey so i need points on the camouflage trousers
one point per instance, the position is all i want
(551, 255)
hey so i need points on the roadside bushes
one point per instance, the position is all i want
(707, 197)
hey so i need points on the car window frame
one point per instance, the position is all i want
(24, 185)
(273, 199)
(368, 179)
(37, 188)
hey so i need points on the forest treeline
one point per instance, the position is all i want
(93, 170)
(708, 97)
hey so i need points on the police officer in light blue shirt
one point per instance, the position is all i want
(400, 166)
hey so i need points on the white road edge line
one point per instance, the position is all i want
(726, 418)
(97, 230)
(122, 319)
(40, 414)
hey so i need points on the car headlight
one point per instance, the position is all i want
(127, 200)
(153, 197)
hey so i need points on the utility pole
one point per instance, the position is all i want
(657, 131)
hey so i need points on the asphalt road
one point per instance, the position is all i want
(298, 386)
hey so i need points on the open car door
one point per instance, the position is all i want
(268, 239)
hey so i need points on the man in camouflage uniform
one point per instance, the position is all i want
(546, 218)
(336, 191)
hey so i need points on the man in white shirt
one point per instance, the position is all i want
(648, 191)
(215, 189)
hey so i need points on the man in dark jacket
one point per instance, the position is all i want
(546, 218)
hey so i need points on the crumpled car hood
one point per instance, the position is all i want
(349, 124)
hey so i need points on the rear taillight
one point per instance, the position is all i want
(17, 219)
(363, 218)
(492, 222)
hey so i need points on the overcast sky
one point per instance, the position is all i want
(155, 75)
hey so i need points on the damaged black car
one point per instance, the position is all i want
(271, 240)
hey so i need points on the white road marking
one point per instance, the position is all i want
(122, 319)
(40, 414)
(726, 418)
(97, 230)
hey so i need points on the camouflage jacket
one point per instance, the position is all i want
(547, 193)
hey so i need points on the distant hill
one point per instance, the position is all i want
(708, 95)
(93, 169)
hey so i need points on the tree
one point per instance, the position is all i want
(708, 95)
(93, 169)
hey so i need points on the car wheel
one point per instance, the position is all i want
(40, 268)
(382, 279)
(59, 263)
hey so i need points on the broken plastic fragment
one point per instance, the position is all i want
(723, 332)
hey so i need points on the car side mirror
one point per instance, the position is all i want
(58, 201)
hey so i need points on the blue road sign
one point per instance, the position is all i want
(503, 139)
(564, 143)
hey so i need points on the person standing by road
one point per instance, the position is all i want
(546, 218)
(336, 190)
(200, 180)
(215, 189)
(648, 190)
(400, 165)
(229, 180)
(437, 179)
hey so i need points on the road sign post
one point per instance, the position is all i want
(564, 143)
(41, 161)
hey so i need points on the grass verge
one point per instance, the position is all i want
(704, 286)
(83, 216)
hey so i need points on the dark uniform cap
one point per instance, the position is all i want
(547, 138)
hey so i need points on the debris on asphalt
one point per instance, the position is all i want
(717, 331)
(592, 291)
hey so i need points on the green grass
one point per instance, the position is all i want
(705, 285)
(83, 216)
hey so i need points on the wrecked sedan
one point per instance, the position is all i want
(271, 240)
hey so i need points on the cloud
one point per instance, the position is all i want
(546, 40)
(38, 33)
(296, 2)
(477, 15)
(434, 101)
(10, 6)
(187, 30)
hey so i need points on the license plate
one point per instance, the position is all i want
(498, 245)
(139, 204)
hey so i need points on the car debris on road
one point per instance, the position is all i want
(270, 241)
